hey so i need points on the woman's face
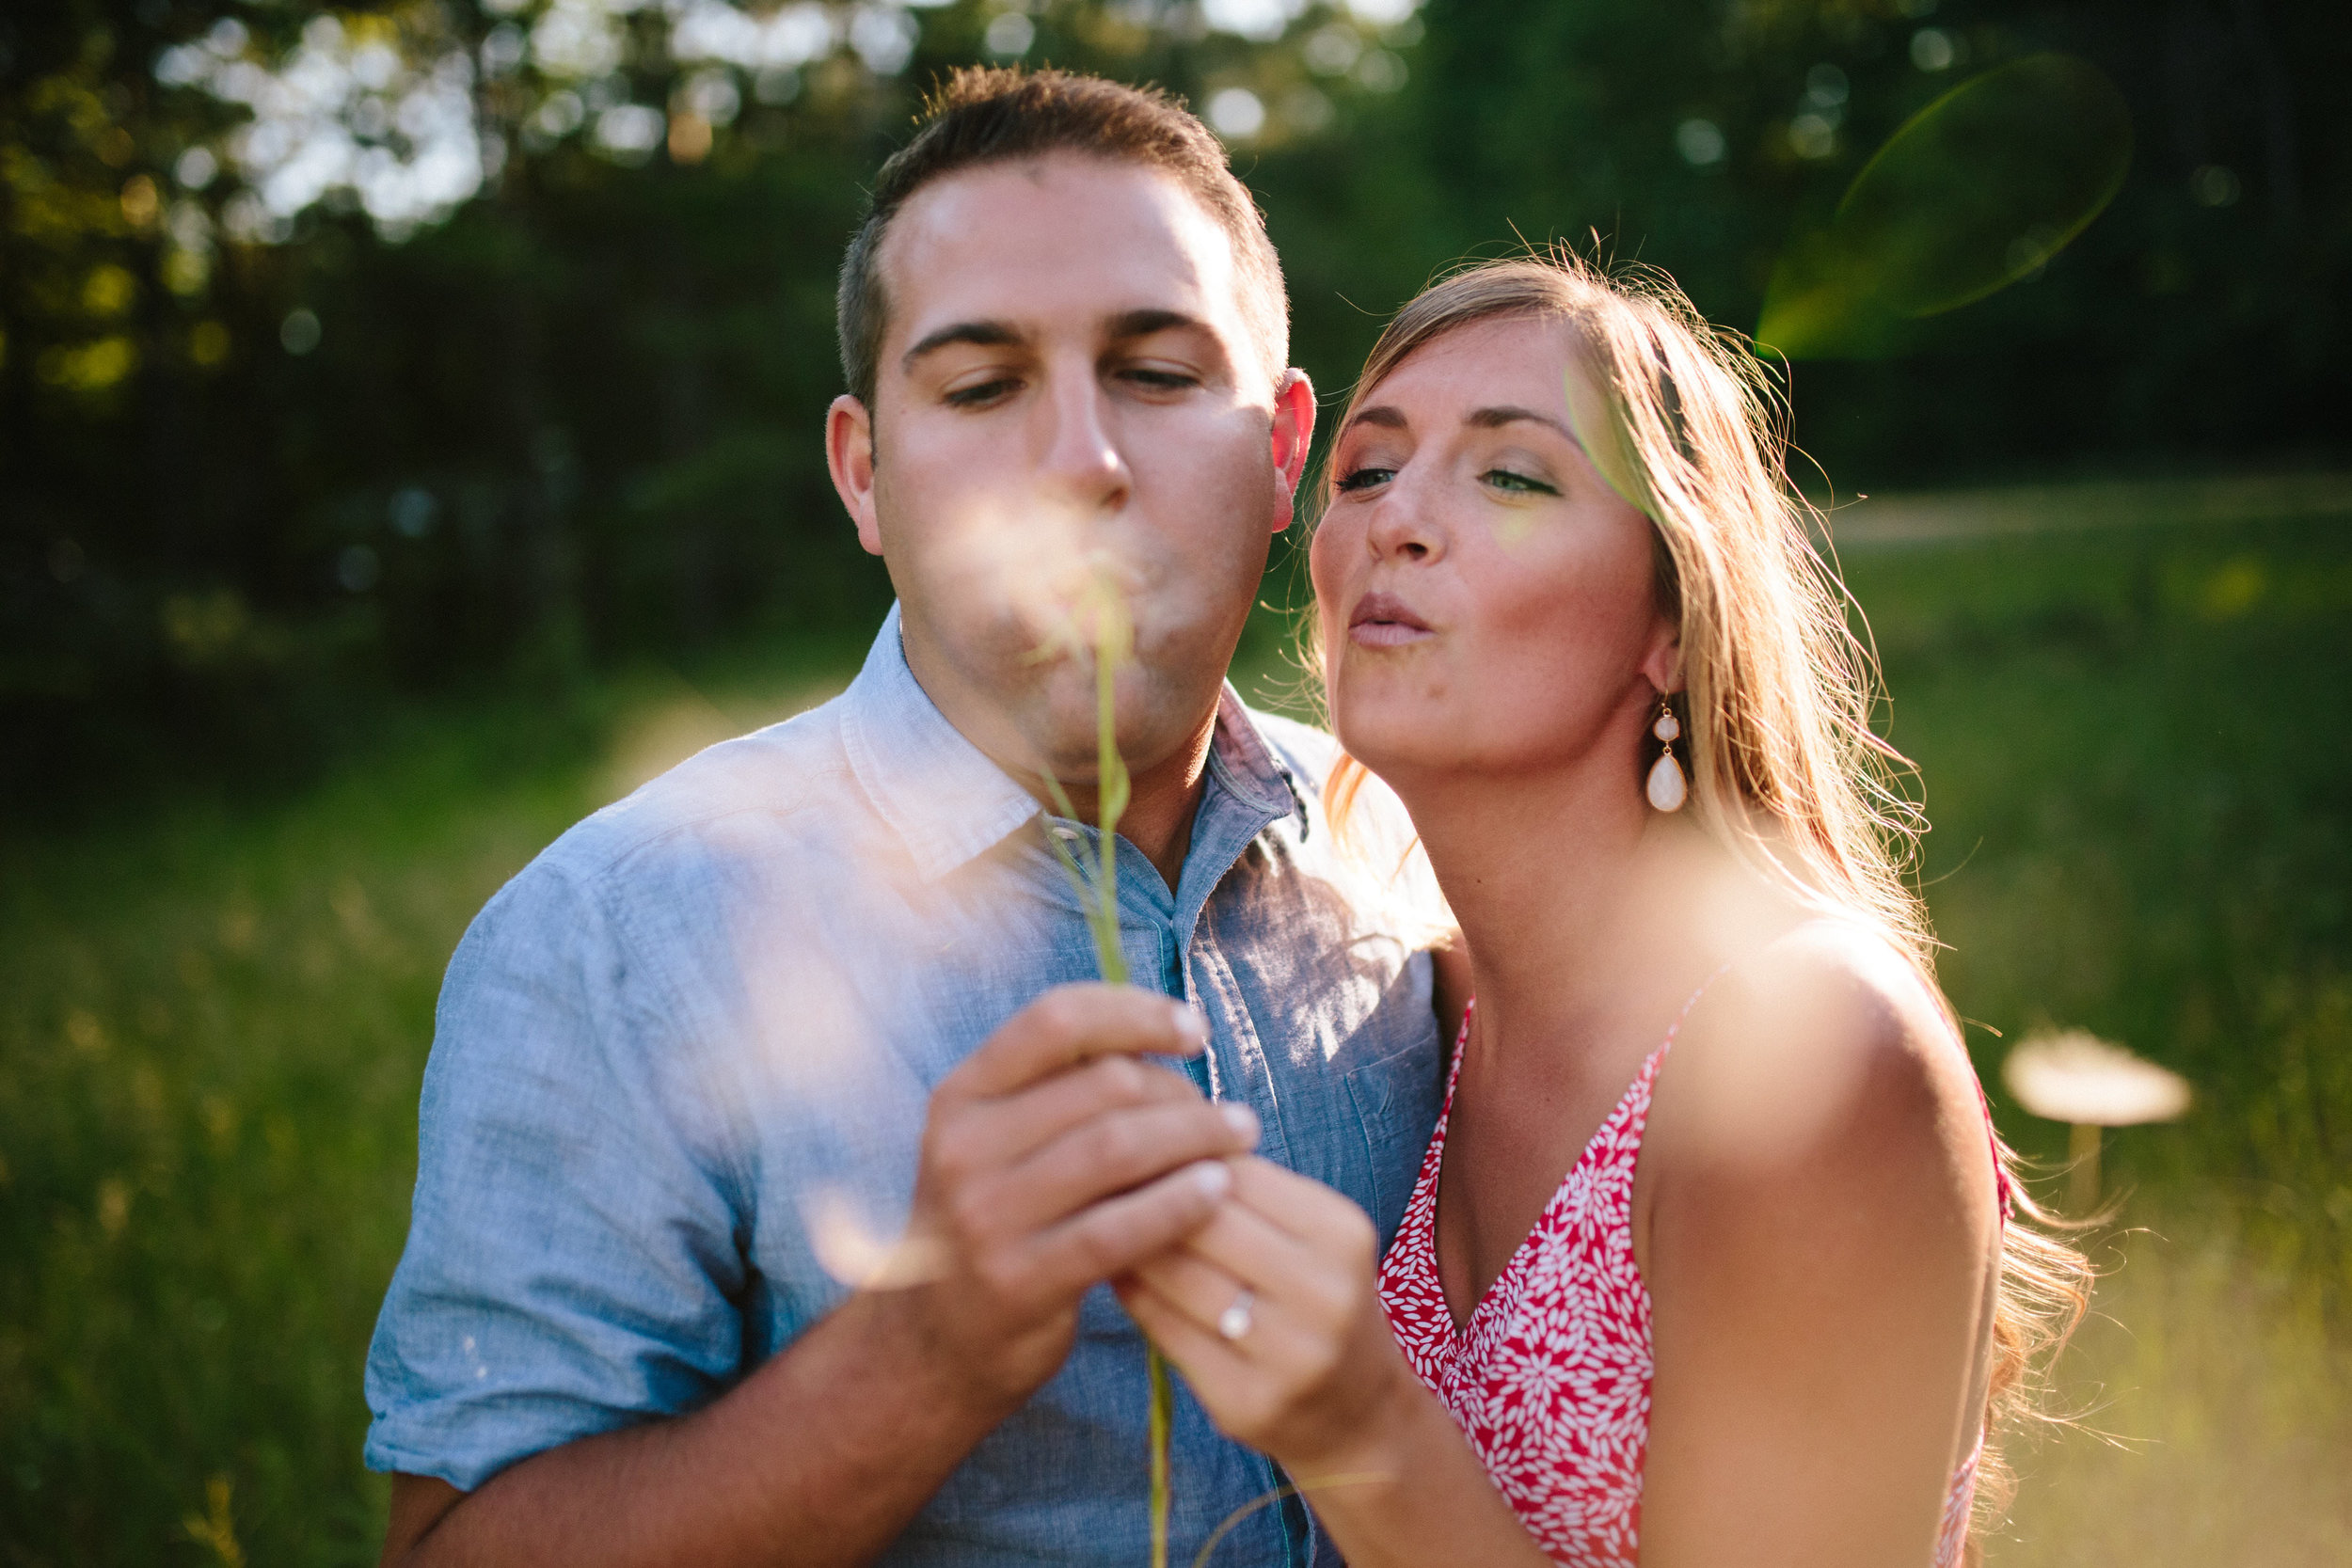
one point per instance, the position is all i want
(1487, 598)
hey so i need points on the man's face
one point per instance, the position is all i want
(1067, 391)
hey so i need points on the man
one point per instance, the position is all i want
(771, 1164)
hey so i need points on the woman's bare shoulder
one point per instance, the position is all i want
(1824, 1055)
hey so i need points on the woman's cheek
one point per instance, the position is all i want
(1322, 547)
(1322, 575)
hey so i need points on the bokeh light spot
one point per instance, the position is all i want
(1932, 49)
(690, 137)
(413, 512)
(196, 168)
(1236, 113)
(1381, 70)
(1010, 35)
(1331, 50)
(299, 333)
(1700, 142)
(208, 344)
(358, 569)
(2215, 186)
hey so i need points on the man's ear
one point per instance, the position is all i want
(849, 458)
(1293, 433)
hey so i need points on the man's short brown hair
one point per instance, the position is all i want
(987, 114)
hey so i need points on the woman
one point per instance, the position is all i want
(1571, 615)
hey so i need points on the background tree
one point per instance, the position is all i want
(351, 350)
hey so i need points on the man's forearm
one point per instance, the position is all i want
(821, 1459)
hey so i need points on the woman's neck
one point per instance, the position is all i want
(1580, 906)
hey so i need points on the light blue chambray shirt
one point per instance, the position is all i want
(681, 1065)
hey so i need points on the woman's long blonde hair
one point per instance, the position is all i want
(1785, 769)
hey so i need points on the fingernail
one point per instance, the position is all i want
(1242, 1120)
(1213, 1178)
(1191, 1027)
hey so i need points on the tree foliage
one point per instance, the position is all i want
(356, 351)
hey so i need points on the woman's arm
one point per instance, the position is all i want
(1816, 1221)
(1317, 1381)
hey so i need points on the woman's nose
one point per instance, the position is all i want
(1402, 525)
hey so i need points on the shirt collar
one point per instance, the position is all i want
(1242, 762)
(949, 804)
(942, 795)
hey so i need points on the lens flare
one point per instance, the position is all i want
(855, 1251)
(1978, 190)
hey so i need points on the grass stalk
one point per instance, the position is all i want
(1163, 1417)
(1097, 887)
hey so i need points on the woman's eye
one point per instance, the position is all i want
(1364, 479)
(1518, 483)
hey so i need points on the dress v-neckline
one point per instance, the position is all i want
(1462, 1326)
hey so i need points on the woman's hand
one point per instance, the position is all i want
(1272, 1313)
(1310, 1375)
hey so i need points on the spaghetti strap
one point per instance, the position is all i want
(1720, 970)
(2004, 1185)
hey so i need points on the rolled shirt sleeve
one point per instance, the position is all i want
(575, 1259)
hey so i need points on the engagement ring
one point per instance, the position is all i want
(1234, 1321)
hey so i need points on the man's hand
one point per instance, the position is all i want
(1053, 1160)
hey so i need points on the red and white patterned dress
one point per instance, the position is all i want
(1550, 1377)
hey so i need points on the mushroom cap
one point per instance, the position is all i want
(2072, 1075)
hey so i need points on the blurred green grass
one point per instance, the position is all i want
(2137, 753)
(2136, 749)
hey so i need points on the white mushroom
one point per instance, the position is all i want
(2076, 1077)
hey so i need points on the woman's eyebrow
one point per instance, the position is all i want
(1382, 414)
(1389, 418)
(1494, 419)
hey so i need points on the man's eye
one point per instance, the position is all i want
(1364, 479)
(1161, 381)
(986, 392)
(1517, 483)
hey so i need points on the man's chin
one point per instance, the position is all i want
(1059, 728)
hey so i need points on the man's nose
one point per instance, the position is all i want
(1082, 457)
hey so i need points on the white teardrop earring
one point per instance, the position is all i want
(1666, 789)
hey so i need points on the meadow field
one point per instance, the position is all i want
(2133, 714)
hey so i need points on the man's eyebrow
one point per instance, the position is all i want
(1142, 324)
(987, 334)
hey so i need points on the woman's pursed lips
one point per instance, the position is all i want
(1385, 621)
